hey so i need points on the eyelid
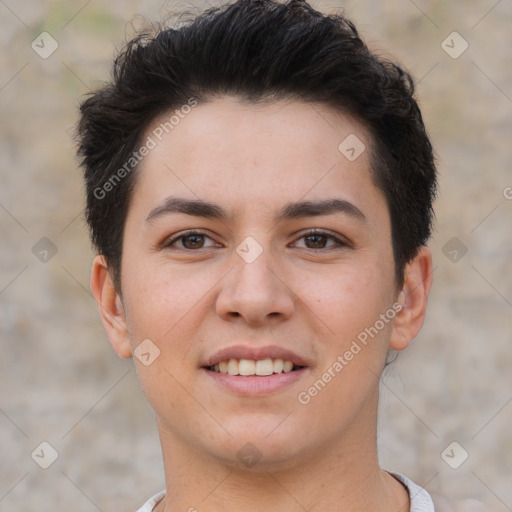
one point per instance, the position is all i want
(172, 239)
(340, 240)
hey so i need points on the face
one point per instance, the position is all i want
(253, 246)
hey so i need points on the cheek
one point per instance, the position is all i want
(159, 301)
(168, 311)
(353, 350)
(349, 299)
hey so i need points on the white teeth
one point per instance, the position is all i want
(223, 367)
(264, 367)
(233, 367)
(247, 367)
(278, 365)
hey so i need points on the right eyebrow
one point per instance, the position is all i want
(195, 207)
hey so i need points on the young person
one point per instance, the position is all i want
(259, 190)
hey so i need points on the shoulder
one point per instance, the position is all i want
(443, 504)
(421, 501)
(150, 504)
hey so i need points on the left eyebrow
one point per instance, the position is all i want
(316, 208)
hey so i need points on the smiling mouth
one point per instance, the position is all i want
(248, 367)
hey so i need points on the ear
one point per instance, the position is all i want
(110, 307)
(413, 299)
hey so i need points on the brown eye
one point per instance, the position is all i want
(192, 241)
(189, 241)
(316, 241)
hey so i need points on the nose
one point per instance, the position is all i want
(255, 292)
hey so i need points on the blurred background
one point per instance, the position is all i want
(446, 409)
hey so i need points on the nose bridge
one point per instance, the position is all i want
(253, 289)
(255, 273)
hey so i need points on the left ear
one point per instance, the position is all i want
(413, 298)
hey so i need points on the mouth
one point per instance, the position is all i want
(248, 367)
(252, 371)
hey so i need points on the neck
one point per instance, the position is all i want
(344, 476)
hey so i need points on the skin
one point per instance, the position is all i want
(309, 295)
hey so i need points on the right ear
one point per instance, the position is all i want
(110, 307)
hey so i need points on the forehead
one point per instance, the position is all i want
(262, 154)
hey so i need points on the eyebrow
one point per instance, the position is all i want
(301, 209)
(317, 208)
(195, 207)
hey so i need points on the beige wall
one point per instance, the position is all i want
(60, 381)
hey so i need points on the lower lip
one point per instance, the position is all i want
(256, 385)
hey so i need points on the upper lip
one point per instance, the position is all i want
(254, 354)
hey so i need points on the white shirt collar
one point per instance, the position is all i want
(419, 497)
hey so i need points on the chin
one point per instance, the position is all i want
(260, 446)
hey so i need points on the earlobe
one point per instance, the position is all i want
(413, 299)
(110, 307)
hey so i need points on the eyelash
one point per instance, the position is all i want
(168, 243)
(312, 232)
